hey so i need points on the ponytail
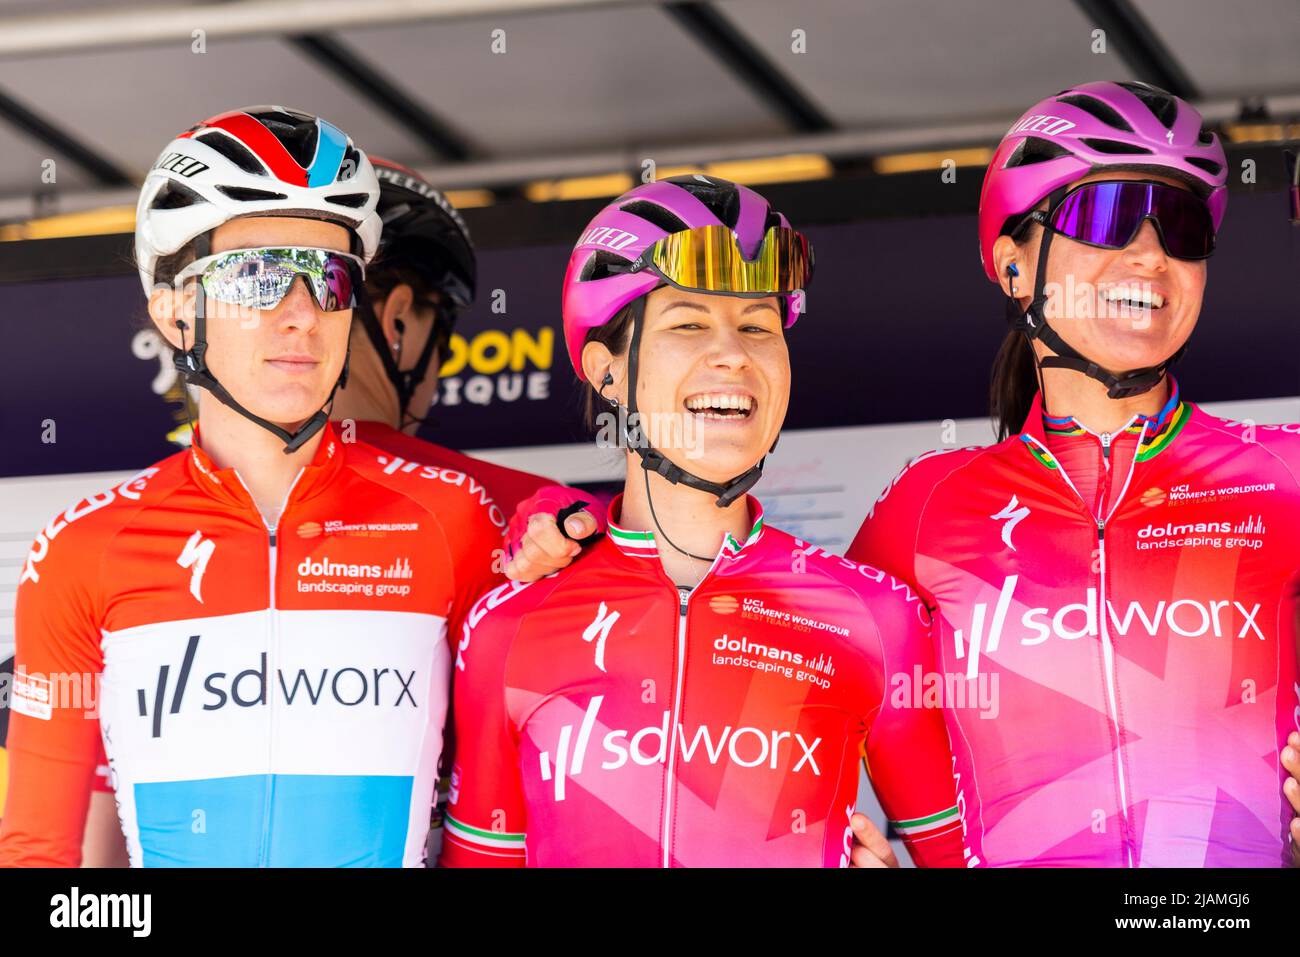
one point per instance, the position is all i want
(1013, 385)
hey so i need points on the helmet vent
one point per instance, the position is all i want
(1162, 104)
(1114, 146)
(1034, 150)
(243, 194)
(351, 163)
(174, 195)
(599, 266)
(1095, 107)
(1205, 138)
(719, 195)
(232, 150)
(297, 132)
(654, 213)
(350, 200)
(1211, 167)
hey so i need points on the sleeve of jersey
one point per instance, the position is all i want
(548, 500)
(887, 538)
(52, 740)
(476, 555)
(909, 759)
(485, 821)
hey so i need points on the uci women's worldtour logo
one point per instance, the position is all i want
(349, 686)
(743, 747)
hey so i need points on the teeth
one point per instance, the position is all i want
(1133, 294)
(713, 400)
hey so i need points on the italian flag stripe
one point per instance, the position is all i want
(931, 822)
(476, 835)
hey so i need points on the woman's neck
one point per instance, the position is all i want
(1069, 393)
(689, 517)
(368, 396)
(233, 442)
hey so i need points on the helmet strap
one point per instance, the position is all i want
(404, 382)
(192, 364)
(1033, 323)
(652, 460)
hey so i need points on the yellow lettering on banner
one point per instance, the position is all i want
(540, 350)
(492, 350)
(480, 359)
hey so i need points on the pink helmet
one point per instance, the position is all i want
(1102, 125)
(634, 222)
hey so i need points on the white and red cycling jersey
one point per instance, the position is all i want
(1129, 602)
(269, 696)
(602, 718)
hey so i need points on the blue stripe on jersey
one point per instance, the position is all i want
(321, 820)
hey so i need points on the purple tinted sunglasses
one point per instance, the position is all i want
(1109, 213)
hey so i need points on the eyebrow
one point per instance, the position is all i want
(700, 307)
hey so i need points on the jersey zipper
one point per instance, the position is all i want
(684, 600)
(272, 644)
(1100, 518)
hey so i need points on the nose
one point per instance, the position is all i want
(727, 349)
(1146, 250)
(298, 309)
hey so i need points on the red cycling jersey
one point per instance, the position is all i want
(520, 494)
(1125, 603)
(269, 696)
(602, 719)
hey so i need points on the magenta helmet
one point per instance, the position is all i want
(634, 222)
(1098, 126)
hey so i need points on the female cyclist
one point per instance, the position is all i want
(700, 688)
(1122, 561)
(269, 609)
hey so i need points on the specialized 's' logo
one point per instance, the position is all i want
(1012, 515)
(195, 556)
(598, 631)
(746, 747)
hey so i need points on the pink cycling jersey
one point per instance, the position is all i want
(604, 719)
(1125, 603)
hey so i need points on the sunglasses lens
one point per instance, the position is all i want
(1185, 222)
(261, 278)
(709, 259)
(1110, 214)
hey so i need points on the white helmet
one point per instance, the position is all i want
(259, 161)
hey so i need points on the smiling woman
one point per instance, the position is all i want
(1084, 561)
(686, 322)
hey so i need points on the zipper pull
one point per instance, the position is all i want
(684, 594)
(1105, 445)
(1101, 531)
(272, 531)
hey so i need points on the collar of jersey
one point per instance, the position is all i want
(227, 485)
(642, 544)
(1156, 432)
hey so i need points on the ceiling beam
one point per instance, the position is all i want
(839, 144)
(410, 116)
(176, 23)
(765, 81)
(59, 141)
(1139, 46)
